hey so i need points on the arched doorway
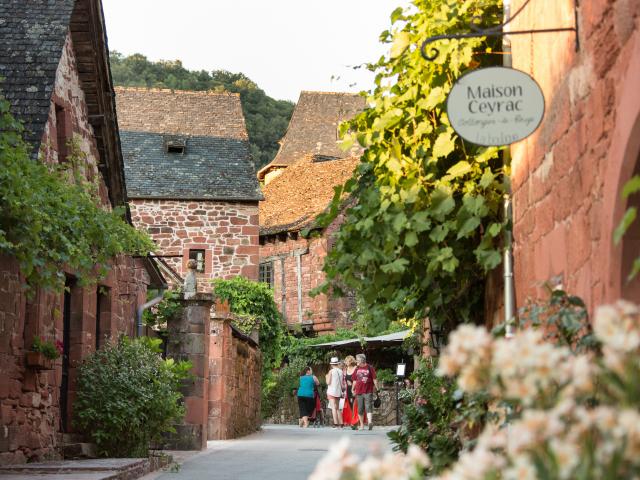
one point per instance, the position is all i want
(630, 246)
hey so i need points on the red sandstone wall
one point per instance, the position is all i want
(235, 379)
(228, 231)
(29, 399)
(567, 176)
(325, 314)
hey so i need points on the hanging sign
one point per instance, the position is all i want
(495, 106)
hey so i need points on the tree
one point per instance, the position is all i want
(267, 119)
(424, 227)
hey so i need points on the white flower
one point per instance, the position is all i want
(567, 456)
(522, 469)
(617, 326)
(336, 463)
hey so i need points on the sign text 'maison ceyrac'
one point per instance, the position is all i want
(495, 106)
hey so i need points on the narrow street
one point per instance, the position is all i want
(280, 452)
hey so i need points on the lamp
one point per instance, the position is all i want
(437, 334)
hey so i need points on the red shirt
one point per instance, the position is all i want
(364, 377)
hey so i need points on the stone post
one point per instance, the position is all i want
(220, 344)
(188, 339)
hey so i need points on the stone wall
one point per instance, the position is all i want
(567, 177)
(30, 417)
(235, 379)
(227, 231)
(322, 313)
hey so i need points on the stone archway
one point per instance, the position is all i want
(623, 163)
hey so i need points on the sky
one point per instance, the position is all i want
(285, 46)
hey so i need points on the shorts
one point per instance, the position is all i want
(306, 405)
(365, 403)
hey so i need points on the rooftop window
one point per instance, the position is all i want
(175, 144)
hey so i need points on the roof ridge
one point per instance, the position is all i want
(175, 91)
(330, 93)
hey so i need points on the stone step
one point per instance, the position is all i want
(95, 469)
(78, 450)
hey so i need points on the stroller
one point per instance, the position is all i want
(316, 419)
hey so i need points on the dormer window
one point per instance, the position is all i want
(173, 144)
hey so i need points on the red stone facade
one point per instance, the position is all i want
(235, 373)
(567, 178)
(322, 313)
(30, 399)
(226, 231)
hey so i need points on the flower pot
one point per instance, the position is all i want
(38, 361)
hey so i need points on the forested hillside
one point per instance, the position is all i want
(266, 117)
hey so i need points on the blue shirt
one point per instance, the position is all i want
(306, 386)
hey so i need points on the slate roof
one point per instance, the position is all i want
(32, 36)
(313, 128)
(212, 168)
(217, 162)
(298, 195)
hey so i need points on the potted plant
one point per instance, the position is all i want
(42, 354)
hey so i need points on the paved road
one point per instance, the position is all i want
(277, 452)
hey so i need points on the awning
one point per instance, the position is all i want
(389, 338)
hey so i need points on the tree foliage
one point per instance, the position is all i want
(425, 227)
(253, 304)
(267, 119)
(50, 215)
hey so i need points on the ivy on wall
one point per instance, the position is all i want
(50, 216)
(424, 229)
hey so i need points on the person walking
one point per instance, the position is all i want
(306, 400)
(334, 391)
(364, 386)
(350, 410)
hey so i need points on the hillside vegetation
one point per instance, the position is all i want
(267, 118)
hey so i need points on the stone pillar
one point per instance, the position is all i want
(188, 339)
(220, 361)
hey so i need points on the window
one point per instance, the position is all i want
(198, 256)
(61, 133)
(265, 273)
(175, 144)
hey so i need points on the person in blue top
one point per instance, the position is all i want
(306, 400)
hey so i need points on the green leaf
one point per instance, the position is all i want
(459, 169)
(397, 266)
(401, 41)
(625, 223)
(443, 145)
(487, 178)
(468, 227)
(411, 239)
(441, 203)
(632, 186)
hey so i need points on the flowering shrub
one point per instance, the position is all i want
(571, 415)
(574, 415)
(50, 350)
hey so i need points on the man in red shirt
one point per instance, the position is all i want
(363, 387)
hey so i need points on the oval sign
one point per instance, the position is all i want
(495, 106)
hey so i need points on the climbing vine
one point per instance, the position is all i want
(50, 215)
(253, 304)
(424, 225)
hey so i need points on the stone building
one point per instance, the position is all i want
(298, 186)
(313, 130)
(568, 177)
(292, 264)
(190, 179)
(55, 65)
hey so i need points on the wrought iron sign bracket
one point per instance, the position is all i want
(496, 31)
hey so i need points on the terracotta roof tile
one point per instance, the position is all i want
(294, 199)
(313, 128)
(180, 112)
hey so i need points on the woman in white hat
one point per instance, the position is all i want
(334, 391)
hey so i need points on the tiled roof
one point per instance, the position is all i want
(313, 128)
(180, 112)
(217, 161)
(294, 199)
(32, 34)
(213, 168)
